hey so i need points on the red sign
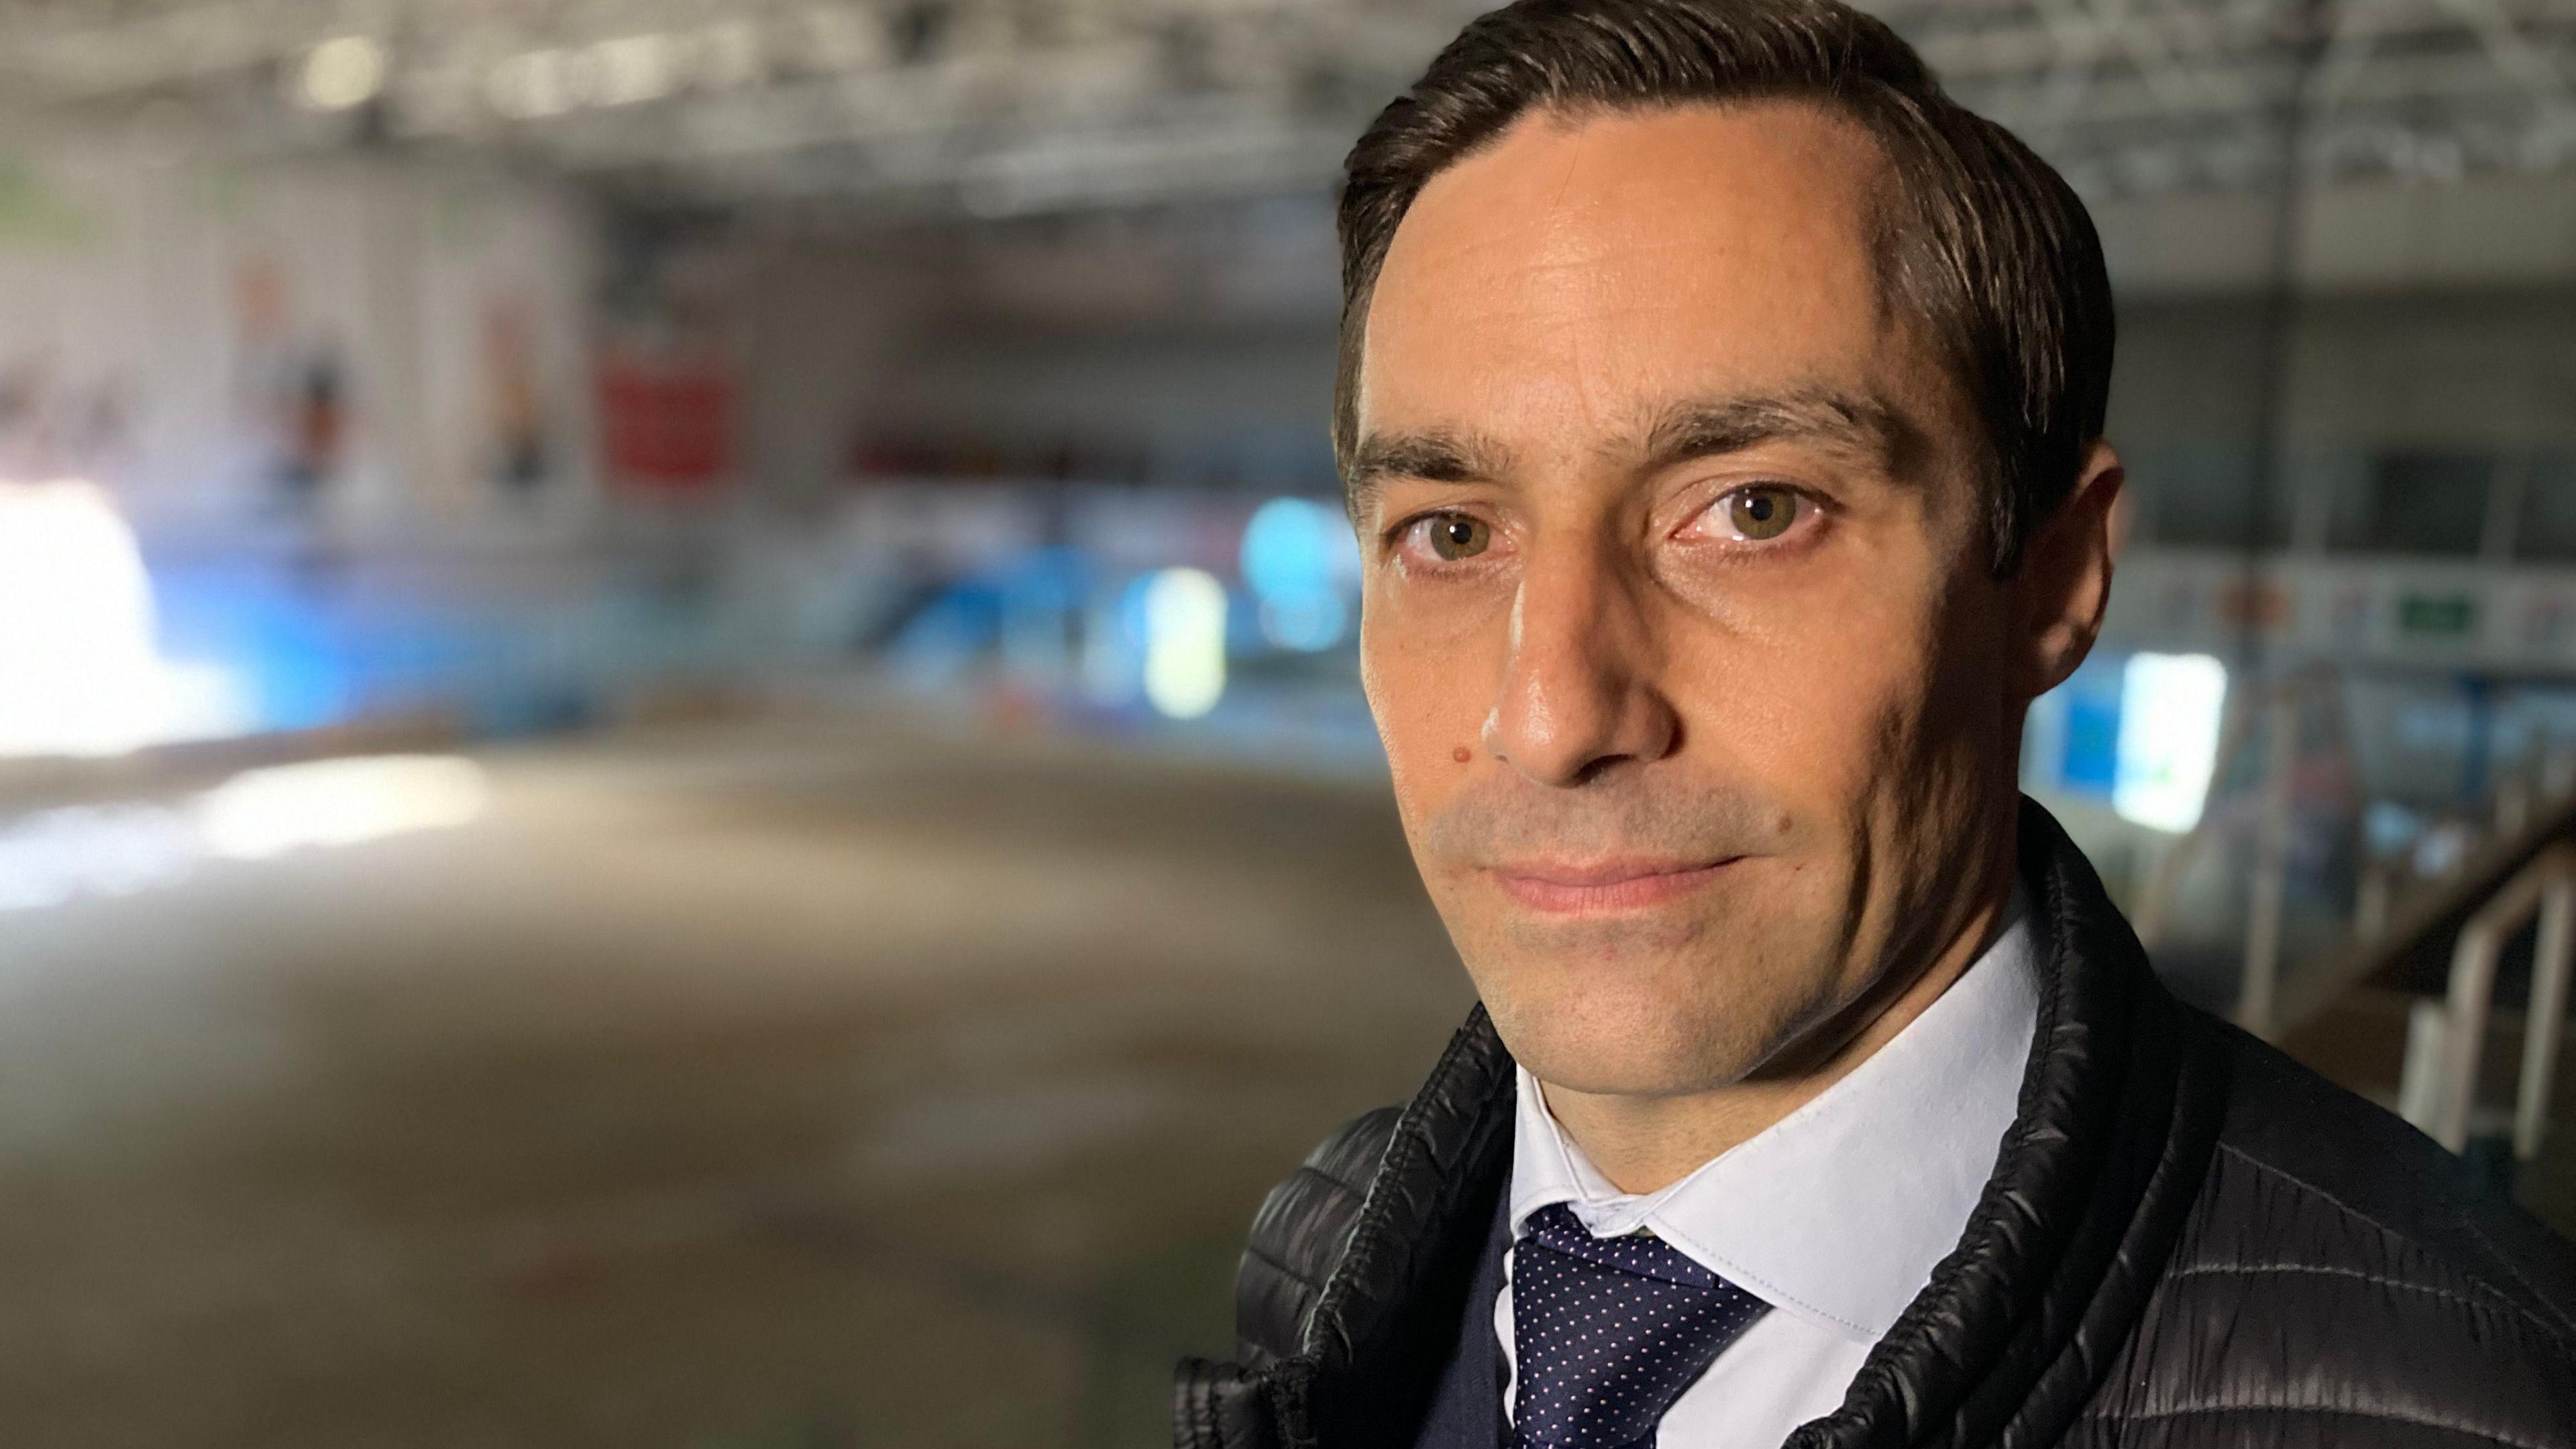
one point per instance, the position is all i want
(666, 422)
(2254, 605)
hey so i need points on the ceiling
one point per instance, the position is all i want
(1002, 107)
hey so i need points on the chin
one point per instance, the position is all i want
(1691, 998)
(1600, 1039)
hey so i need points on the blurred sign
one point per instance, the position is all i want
(666, 422)
(2259, 605)
(518, 420)
(2548, 622)
(2449, 615)
(2350, 616)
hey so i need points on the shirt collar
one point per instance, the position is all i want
(1838, 1212)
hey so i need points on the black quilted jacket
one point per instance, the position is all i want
(2188, 1240)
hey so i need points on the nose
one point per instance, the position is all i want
(1579, 693)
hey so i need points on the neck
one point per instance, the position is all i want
(1643, 1144)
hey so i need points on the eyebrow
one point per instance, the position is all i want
(1846, 421)
(1433, 457)
(1849, 421)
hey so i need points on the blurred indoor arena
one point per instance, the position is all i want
(680, 755)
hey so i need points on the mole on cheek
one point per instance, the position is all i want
(1462, 754)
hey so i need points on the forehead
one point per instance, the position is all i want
(1582, 273)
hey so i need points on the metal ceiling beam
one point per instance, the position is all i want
(947, 94)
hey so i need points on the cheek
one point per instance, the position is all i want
(1423, 693)
(1430, 656)
(1431, 687)
(1810, 692)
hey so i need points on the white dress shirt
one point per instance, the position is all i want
(1835, 1215)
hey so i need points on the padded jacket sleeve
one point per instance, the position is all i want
(1299, 1234)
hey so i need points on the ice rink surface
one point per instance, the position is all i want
(799, 1084)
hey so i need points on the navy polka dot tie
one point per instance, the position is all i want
(1607, 1332)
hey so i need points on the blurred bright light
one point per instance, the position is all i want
(339, 802)
(56, 856)
(2170, 708)
(1184, 642)
(1292, 545)
(79, 670)
(1299, 558)
(342, 73)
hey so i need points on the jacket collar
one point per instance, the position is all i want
(2118, 1113)
(2120, 1110)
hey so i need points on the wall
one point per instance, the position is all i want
(345, 408)
(2438, 317)
(158, 314)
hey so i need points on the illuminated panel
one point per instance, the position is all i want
(1184, 642)
(2170, 706)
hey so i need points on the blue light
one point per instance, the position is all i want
(2090, 762)
(1300, 560)
(1309, 623)
(1297, 546)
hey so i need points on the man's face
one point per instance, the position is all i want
(1680, 625)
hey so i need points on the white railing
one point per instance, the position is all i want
(2447, 1038)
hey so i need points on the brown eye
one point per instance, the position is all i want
(1761, 513)
(1456, 536)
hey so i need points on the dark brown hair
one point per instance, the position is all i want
(1983, 243)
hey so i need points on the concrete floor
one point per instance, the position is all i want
(789, 1086)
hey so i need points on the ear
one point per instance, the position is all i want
(2065, 579)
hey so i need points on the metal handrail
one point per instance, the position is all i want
(2449, 1038)
(2401, 917)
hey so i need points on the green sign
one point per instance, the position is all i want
(2449, 615)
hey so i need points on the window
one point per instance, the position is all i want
(2423, 503)
(2198, 496)
(2547, 528)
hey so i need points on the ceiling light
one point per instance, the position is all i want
(342, 74)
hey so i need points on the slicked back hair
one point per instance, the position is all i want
(1978, 242)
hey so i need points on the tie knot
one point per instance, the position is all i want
(1640, 1253)
(1608, 1332)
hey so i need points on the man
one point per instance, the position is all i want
(1721, 408)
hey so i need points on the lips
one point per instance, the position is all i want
(1602, 886)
